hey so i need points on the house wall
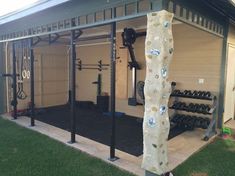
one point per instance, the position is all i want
(231, 41)
(197, 56)
(51, 77)
(91, 54)
(231, 34)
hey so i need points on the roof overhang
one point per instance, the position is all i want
(33, 8)
(226, 7)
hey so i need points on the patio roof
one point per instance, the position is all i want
(29, 10)
(226, 7)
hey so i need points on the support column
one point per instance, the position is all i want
(113, 91)
(223, 75)
(14, 83)
(73, 84)
(156, 126)
(32, 115)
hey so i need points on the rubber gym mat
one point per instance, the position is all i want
(92, 124)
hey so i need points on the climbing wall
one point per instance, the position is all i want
(158, 51)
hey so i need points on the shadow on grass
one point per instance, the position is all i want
(27, 153)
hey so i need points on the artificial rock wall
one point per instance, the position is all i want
(156, 126)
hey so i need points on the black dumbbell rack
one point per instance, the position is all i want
(211, 129)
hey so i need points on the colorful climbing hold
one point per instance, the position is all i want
(151, 122)
(155, 52)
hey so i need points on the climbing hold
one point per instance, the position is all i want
(154, 145)
(162, 109)
(164, 72)
(166, 24)
(155, 52)
(154, 109)
(171, 50)
(149, 43)
(151, 122)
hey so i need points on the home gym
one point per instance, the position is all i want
(93, 119)
(89, 81)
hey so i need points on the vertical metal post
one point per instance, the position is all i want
(113, 91)
(14, 84)
(32, 82)
(73, 83)
(223, 75)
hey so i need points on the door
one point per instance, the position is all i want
(229, 106)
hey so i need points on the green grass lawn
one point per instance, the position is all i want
(217, 159)
(27, 153)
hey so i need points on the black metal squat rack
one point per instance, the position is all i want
(189, 122)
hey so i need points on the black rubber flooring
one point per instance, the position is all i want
(94, 125)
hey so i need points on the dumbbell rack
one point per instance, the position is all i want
(211, 130)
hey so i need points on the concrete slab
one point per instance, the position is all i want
(180, 148)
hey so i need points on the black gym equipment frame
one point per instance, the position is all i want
(74, 35)
(32, 87)
(129, 36)
(14, 83)
(73, 83)
(113, 92)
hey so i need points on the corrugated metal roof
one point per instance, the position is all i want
(33, 8)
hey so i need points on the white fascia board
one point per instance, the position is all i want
(34, 8)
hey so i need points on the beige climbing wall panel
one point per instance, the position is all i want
(158, 52)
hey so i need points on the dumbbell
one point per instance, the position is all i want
(180, 122)
(179, 105)
(197, 108)
(175, 118)
(207, 94)
(205, 123)
(185, 122)
(182, 106)
(190, 123)
(197, 123)
(176, 92)
(175, 105)
(203, 94)
(190, 107)
(193, 107)
(206, 109)
(200, 94)
(200, 108)
(187, 93)
(195, 93)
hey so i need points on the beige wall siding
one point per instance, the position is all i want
(86, 91)
(197, 55)
(231, 34)
(51, 78)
